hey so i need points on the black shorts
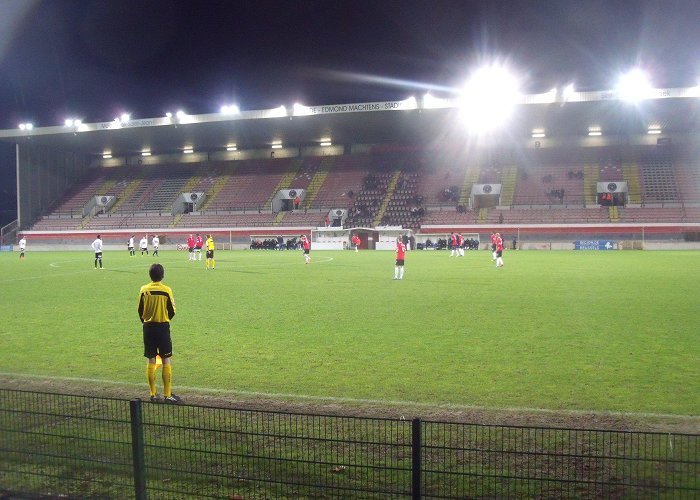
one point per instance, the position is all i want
(143, 249)
(199, 249)
(210, 254)
(499, 253)
(191, 249)
(129, 248)
(98, 255)
(156, 340)
(399, 262)
(493, 247)
(306, 251)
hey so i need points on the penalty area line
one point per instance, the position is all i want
(363, 401)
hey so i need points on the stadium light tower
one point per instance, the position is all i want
(230, 109)
(634, 86)
(489, 98)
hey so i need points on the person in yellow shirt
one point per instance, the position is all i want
(210, 252)
(156, 309)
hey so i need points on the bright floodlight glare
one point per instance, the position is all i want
(301, 110)
(489, 98)
(568, 91)
(277, 146)
(168, 114)
(145, 153)
(538, 133)
(326, 144)
(107, 156)
(634, 86)
(230, 109)
(68, 122)
(125, 117)
(180, 114)
(232, 148)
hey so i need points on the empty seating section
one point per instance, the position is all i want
(343, 182)
(658, 178)
(250, 184)
(399, 188)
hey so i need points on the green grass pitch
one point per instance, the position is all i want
(599, 331)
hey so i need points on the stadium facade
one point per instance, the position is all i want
(587, 166)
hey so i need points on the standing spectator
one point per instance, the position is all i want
(22, 246)
(210, 253)
(499, 250)
(198, 244)
(143, 245)
(306, 245)
(400, 256)
(97, 247)
(190, 247)
(130, 246)
(156, 309)
(156, 243)
(297, 202)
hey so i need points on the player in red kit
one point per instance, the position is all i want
(499, 250)
(453, 245)
(198, 243)
(400, 256)
(355, 241)
(306, 244)
(460, 245)
(493, 246)
(190, 247)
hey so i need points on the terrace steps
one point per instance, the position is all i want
(471, 176)
(508, 184)
(630, 172)
(387, 197)
(591, 174)
(126, 194)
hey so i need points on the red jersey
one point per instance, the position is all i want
(198, 243)
(355, 240)
(493, 239)
(400, 251)
(461, 240)
(453, 239)
(307, 244)
(499, 244)
(190, 242)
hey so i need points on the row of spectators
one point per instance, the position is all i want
(441, 244)
(277, 243)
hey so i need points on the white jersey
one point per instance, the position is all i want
(131, 243)
(97, 245)
(22, 244)
(143, 243)
(155, 241)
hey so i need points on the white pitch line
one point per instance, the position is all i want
(387, 402)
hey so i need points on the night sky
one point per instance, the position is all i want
(94, 59)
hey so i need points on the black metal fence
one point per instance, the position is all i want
(87, 447)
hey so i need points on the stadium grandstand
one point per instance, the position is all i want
(567, 166)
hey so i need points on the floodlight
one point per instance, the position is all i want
(180, 114)
(188, 151)
(230, 109)
(489, 98)
(23, 126)
(301, 110)
(125, 117)
(277, 146)
(326, 143)
(107, 156)
(538, 133)
(432, 102)
(594, 131)
(145, 153)
(277, 112)
(168, 114)
(409, 103)
(634, 86)
(654, 130)
(232, 147)
(68, 122)
(568, 92)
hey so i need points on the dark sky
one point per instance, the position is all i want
(93, 59)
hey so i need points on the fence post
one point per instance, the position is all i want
(137, 450)
(416, 465)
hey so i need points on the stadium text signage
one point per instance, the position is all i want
(361, 107)
(594, 245)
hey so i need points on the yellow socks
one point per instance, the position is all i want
(167, 379)
(151, 377)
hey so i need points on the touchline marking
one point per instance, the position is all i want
(389, 402)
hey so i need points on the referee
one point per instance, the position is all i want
(156, 309)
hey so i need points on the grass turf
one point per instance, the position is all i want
(599, 331)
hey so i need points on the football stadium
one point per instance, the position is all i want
(568, 371)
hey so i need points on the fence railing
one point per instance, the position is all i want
(87, 447)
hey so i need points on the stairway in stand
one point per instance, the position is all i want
(483, 215)
(471, 176)
(630, 172)
(387, 197)
(317, 181)
(591, 174)
(508, 181)
(613, 214)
